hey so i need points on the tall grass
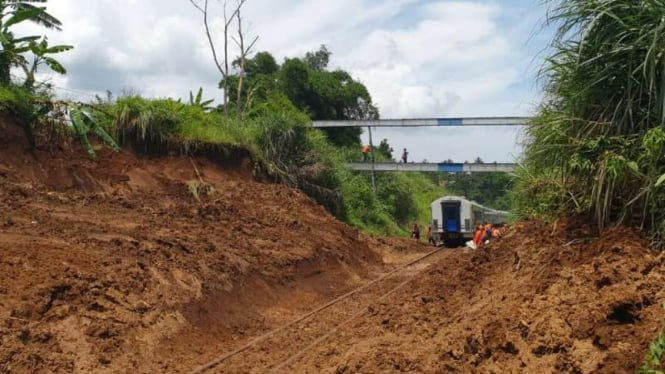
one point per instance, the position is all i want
(599, 137)
(278, 138)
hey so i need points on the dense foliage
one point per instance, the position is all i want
(597, 146)
(489, 189)
(305, 82)
(13, 13)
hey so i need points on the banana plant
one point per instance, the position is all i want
(40, 51)
(12, 13)
(198, 100)
(83, 123)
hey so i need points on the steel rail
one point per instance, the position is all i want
(215, 362)
(294, 358)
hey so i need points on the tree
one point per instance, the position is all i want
(245, 50)
(13, 13)
(260, 81)
(263, 63)
(318, 61)
(321, 94)
(40, 53)
(385, 149)
(337, 96)
(222, 64)
(295, 82)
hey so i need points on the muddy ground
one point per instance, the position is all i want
(536, 301)
(115, 266)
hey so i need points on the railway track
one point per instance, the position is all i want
(276, 350)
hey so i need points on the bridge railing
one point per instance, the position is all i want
(434, 167)
(426, 122)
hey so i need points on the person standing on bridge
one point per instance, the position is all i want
(366, 150)
(405, 155)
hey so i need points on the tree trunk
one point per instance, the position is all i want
(5, 69)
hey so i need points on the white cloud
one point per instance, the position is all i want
(418, 58)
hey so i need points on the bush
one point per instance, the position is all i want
(599, 135)
(23, 107)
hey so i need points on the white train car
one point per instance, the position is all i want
(454, 219)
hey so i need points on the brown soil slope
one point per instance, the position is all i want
(536, 301)
(112, 266)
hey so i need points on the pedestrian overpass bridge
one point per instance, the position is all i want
(431, 167)
(428, 122)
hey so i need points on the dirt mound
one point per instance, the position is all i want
(146, 265)
(536, 301)
(128, 264)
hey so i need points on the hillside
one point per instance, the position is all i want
(103, 262)
(114, 266)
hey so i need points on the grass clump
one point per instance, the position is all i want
(653, 363)
(597, 145)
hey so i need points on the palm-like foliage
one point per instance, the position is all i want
(41, 52)
(14, 12)
(26, 7)
(83, 122)
(198, 100)
(601, 129)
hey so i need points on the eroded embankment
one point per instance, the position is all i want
(538, 301)
(114, 266)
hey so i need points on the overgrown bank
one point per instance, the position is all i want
(277, 138)
(597, 145)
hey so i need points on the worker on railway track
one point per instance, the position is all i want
(496, 233)
(488, 232)
(415, 232)
(405, 156)
(430, 236)
(478, 234)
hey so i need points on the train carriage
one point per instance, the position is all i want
(454, 218)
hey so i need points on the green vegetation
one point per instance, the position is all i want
(654, 360)
(653, 363)
(597, 146)
(265, 115)
(401, 200)
(13, 13)
(489, 189)
(313, 90)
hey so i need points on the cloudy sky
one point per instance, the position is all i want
(419, 58)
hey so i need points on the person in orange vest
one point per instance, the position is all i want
(496, 233)
(488, 231)
(366, 150)
(478, 235)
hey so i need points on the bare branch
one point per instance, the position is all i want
(197, 6)
(223, 65)
(248, 50)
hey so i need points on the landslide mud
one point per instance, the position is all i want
(538, 301)
(115, 266)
